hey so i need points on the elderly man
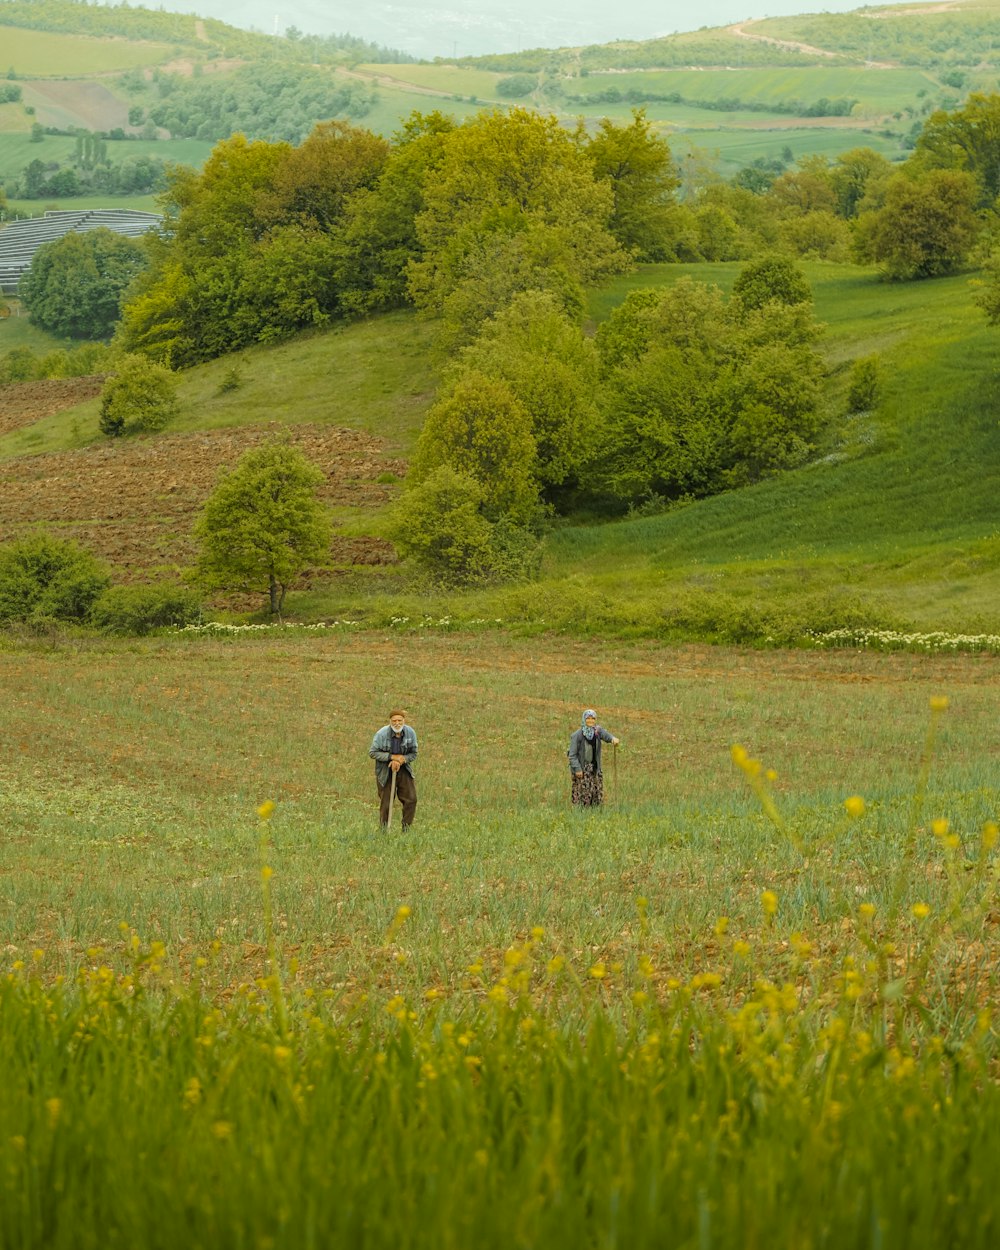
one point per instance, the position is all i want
(394, 748)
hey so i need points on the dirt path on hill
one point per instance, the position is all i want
(741, 32)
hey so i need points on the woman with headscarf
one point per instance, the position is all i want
(585, 760)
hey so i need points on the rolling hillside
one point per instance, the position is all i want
(895, 522)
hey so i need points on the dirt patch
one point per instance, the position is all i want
(76, 103)
(24, 403)
(135, 502)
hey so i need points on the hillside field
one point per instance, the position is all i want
(47, 54)
(894, 520)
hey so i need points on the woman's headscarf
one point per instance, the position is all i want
(588, 731)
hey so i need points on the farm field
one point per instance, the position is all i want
(669, 1012)
(47, 54)
(876, 90)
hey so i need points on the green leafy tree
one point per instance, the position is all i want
(482, 430)
(312, 183)
(512, 184)
(967, 140)
(263, 524)
(855, 175)
(76, 284)
(46, 578)
(439, 524)
(551, 368)
(771, 279)
(640, 169)
(139, 397)
(926, 228)
(377, 236)
(700, 394)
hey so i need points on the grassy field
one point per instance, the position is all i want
(877, 90)
(17, 151)
(46, 54)
(348, 377)
(448, 79)
(536, 1025)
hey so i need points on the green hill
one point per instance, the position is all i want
(894, 522)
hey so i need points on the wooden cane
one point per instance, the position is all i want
(392, 798)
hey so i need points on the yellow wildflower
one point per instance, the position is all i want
(855, 806)
(222, 1129)
(769, 902)
(921, 910)
(266, 809)
(939, 702)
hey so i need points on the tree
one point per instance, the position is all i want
(771, 279)
(76, 284)
(551, 369)
(480, 429)
(967, 140)
(46, 578)
(926, 228)
(439, 524)
(140, 396)
(512, 184)
(377, 236)
(312, 183)
(263, 524)
(700, 394)
(854, 175)
(640, 169)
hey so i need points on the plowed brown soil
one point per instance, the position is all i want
(24, 403)
(134, 502)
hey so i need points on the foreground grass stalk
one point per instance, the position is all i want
(265, 812)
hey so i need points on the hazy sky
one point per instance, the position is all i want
(472, 27)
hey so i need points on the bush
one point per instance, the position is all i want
(140, 609)
(48, 578)
(770, 279)
(438, 523)
(865, 384)
(140, 396)
(19, 365)
(516, 86)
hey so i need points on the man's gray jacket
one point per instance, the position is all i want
(381, 753)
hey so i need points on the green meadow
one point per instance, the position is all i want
(744, 1002)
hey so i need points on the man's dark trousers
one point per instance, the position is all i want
(406, 794)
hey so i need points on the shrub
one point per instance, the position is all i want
(48, 578)
(19, 365)
(516, 86)
(771, 279)
(140, 396)
(140, 609)
(865, 384)
(439, 524)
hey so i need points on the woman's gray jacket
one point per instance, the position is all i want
(380, 753)
(576, 749)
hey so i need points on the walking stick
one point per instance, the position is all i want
(392, 798)
(614, 769)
